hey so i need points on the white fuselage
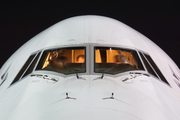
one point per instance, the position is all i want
(31, 89)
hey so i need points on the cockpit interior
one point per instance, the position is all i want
(115, 60)
(72, 60)
(66, 60)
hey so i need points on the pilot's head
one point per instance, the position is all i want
(80, 59)
(117, 59)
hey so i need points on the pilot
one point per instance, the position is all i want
(120, 59)
(117, 59)
(80, 59)
(56, 64)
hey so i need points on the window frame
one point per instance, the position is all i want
(156, 69)
(62, 47)
(20, 75)
(34, 61)
(157, 75)
(120, 48)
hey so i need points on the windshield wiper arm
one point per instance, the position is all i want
(71, 69)
(79, 77)
(102, 76)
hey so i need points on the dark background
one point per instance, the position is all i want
(158, 20)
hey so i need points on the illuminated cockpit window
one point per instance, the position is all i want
(65, 60)
(116, 60)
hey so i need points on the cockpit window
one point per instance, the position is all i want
(65, 60)
(116, 60)
(23, 69)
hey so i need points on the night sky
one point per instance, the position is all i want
(158, 20)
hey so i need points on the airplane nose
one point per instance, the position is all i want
(102, 99)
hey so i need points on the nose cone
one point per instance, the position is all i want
(90, 99)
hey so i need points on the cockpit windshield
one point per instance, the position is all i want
(65, 60)
(116, 60)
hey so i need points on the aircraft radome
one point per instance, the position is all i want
(89, 68)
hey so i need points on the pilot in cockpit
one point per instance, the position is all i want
(80, 59)
(120, 59)
(57, 64)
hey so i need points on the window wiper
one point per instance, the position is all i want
(79, 77)
(102, 76)
(73, 70)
